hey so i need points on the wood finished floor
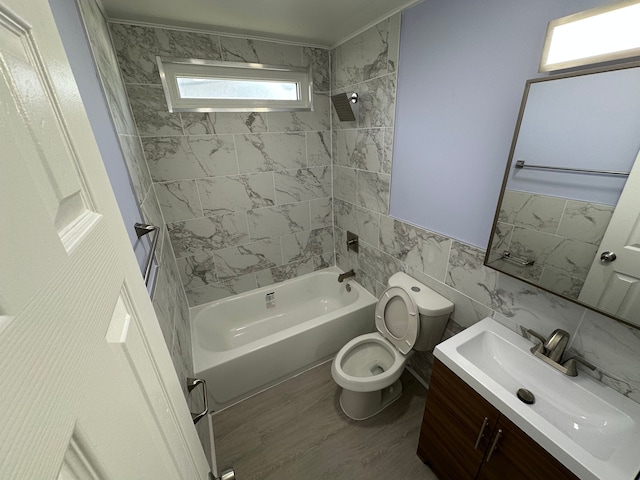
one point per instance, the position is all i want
(297, 431)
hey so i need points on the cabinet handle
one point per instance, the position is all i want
(494, 445)
(485, 422)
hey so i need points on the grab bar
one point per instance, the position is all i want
(191, 384)
(522, 164)
(525, 262)
(143, 229)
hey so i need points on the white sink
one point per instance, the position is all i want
(590, 428)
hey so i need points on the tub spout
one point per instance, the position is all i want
(348, 274)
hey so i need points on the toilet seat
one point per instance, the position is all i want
(398, 318)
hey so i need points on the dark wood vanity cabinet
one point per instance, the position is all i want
(464, 437)
(452, 426)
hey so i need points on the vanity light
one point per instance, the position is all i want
(597, 35)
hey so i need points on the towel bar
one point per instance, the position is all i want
(143, 229)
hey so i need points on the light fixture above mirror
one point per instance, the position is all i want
(593, 36)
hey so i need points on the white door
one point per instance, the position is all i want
(87, 387)
(614, 286)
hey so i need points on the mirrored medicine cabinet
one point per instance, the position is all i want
(568, 217)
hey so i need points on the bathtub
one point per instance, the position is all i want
(252, 341)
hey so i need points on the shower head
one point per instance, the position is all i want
(342, 104)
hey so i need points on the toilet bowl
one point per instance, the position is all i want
(368, 369)
(368, 362)
(408, 316)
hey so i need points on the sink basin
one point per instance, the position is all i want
(593, 423)
(589, 427)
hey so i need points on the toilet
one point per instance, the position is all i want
(409, 316)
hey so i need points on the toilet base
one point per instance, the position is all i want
(363, 405)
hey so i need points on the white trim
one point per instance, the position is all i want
(254, 36)
(220, 33)
(103, 11)
(374, 23)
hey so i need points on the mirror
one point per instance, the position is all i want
(571, 191)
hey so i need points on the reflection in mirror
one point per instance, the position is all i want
(552, 225)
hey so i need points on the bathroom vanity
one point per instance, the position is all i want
(496, 411)
(464, 437)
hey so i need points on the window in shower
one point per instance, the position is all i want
(193, 85)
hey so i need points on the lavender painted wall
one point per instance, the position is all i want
(462, 71)
(590, 121)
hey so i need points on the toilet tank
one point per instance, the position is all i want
(434, 310)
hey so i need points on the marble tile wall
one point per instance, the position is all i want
(170, 302)
(251, 199)
(562, 237)
(362, 156)
(246, 196)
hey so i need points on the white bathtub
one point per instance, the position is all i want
(249, 342)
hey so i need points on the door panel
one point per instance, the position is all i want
(88, 387)
(614, 287)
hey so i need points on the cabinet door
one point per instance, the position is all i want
(456, 427)
(514, 455)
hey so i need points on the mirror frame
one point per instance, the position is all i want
(523, 103)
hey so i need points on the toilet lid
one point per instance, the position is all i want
(397, 318)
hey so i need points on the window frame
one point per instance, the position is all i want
(172, 67)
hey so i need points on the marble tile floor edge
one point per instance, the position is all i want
(296, 430)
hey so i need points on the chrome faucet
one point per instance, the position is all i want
(526, 332)
(556, 344)
(551, 349)
(344, 275)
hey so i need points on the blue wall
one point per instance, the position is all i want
(590, 122)
(462, 70)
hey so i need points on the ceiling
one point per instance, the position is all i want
(312, 22)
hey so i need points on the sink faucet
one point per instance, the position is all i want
(348, 274)
(551, 350)
(552, 347)
(556, 344)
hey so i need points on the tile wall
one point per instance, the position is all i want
(362, 152)
(169, 300)
(246, 196)
(251, 199)
(561, 236)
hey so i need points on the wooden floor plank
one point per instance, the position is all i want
(296, 430)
